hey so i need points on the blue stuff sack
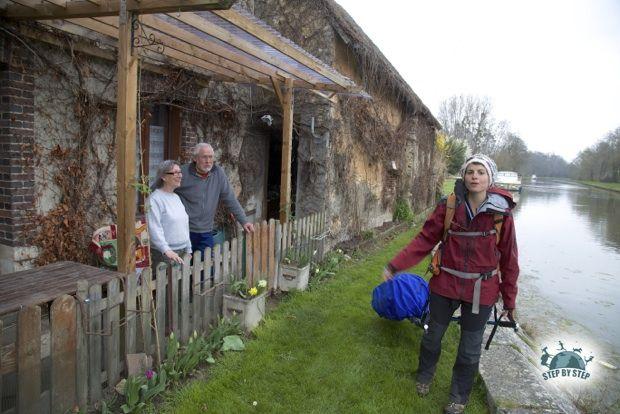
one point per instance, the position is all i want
(404, 296)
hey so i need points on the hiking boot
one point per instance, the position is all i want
(454, 408)
(422, 389)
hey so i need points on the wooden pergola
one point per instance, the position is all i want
(203, 36)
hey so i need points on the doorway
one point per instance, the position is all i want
(274, 170)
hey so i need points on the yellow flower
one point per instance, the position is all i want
(253, 291)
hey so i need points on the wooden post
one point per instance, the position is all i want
(271, 273)
(146, 295)
(280, 236)
(111, 324)
(63, 346)
(287, 144)
(161, 274)
(95, 340)
(264, 249)
(29, 360)
(218, 293)
(186, 329)
(208, 297)
(126, 96)
(82, 344)
(130, 314)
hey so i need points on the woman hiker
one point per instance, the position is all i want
(476, 266)
(168, 221)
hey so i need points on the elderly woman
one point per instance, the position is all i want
(476, 266)
(168, 221)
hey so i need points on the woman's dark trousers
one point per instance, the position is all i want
(468, 357)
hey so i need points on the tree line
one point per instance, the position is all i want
(469, 127)
(601, 161)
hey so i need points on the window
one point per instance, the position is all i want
(160, 138)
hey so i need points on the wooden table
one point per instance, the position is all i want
(44, 284)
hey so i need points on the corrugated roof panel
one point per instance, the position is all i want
(270, 59)
(229, 27)
(213, 39)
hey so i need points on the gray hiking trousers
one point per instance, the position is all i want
(468, 356)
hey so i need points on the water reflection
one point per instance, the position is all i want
(569, 249)
(600, 208)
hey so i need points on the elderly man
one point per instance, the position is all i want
(203, 185)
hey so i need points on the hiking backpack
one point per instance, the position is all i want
(435, 266)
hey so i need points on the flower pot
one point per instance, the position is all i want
(292, 277)
(249, 311)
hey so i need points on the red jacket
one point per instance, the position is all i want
(470, 254)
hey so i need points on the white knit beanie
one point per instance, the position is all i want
(487, 162)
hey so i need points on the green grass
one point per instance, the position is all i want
(326, 351)
(606, 186)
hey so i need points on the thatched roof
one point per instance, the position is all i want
(377, 72)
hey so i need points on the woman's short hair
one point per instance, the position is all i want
(163, 168)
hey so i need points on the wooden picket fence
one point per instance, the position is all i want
(59, 356)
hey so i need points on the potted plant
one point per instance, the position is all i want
(246, 303)
(294, 270)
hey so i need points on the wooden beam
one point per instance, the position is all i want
(277, 90)
(238, 42)
(187, 51)
(203, 48)
(81, 8)
(198, 49)
(284, 46)
(287, 145)
(126, 94)
(106, 34)
(151, 61)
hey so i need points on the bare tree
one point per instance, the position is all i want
(469, 118)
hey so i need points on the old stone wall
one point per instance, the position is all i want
(230, 121)
(354, 157)
(363, 154)
(57, 164)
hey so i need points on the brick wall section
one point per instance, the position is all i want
(189, 138)
(16, 143)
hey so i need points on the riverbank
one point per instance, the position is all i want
(605, 186)
(544, 325)
(569, 288)
(326, 350)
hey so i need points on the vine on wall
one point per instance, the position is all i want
(75, 147)
(74, 154)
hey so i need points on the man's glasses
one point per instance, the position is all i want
(174, 173)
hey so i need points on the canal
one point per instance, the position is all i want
(569, 252)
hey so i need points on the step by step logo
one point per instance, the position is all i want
(565, 363)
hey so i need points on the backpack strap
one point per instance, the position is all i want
(435, 265)
(450, 208)
(498, 222)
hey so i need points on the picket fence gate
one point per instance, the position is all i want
(54, 357)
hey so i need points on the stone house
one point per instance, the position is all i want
(352, 156)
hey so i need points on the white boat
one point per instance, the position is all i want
(534, 178)
(508, 180)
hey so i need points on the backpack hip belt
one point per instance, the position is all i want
(475, 309)
(472, 233)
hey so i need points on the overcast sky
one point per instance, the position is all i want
(550, 67)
